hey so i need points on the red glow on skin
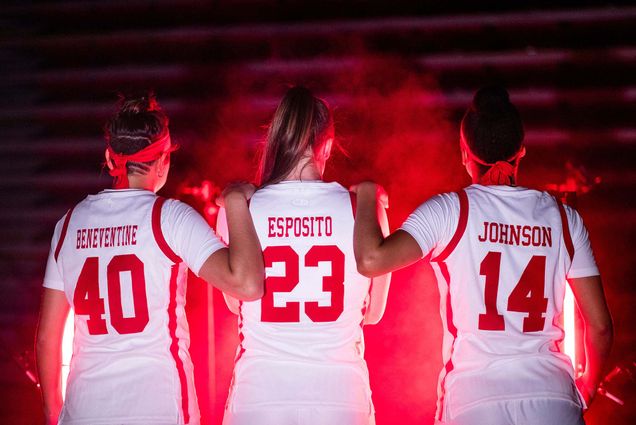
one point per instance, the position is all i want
(392, 137)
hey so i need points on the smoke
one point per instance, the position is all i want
(391, 131)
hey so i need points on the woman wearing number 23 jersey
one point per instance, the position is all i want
(502, 255)
(120, 259)
(300, 358)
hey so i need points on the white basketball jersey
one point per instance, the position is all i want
(127, 287)
(502, 277)
(302, 343)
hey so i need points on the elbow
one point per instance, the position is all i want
(372, 319)
(606, 330)
(603, 330)
(253, 294)
(252, 289)
(367, 265)
(45, 344)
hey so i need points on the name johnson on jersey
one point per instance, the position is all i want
(284, 227)
(516, 234)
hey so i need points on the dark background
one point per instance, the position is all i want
(399, 75)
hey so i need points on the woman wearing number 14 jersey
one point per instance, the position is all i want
(502, 255)
(300, 359)
(120, 259)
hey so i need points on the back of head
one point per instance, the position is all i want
(492, 127)
(138, 123)
(301, 121)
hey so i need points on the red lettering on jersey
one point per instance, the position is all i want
(494, 232)
(503, 234)
(305, 226)
(319, 220)
(536, 236)
(515, 231)
(484, 237)
(278, 227)
(297, 226)
(270, 227)
(547, 236)
(106, 237)
(280, 222)
(515, 234)
(525, 233)
(289, 222)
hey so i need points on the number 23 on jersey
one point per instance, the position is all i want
(333, 284)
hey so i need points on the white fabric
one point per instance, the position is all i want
(303, 363)
(486, 364)
(536, 411)
(131, 376)
(294, 415)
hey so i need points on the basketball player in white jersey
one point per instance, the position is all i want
(502, 256)
(301, 355)
(119, 259)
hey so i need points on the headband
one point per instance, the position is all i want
(118, 161)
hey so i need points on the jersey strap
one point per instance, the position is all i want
(60, 241)
(172, 304)
(459, 232)
(158, 233)
(461, 227)
(174, 342)
(567, 237)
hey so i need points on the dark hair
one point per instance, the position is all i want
(491, 126)
(138, 123)
(301, 120)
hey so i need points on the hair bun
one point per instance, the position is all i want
(138, 103)
(491, 99)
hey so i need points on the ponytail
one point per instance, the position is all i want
(301, 121)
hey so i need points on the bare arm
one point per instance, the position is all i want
(375, 254)
(237, 270)
(48, 350)
(588, 292)
(379, 291)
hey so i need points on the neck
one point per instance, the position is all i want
(140, 182)
(485, 180)
(305, 170)
(479, 180)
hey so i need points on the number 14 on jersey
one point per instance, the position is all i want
(526, 297)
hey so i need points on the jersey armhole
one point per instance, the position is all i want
(60, 241)
(158, 233)
(354, 202)
(567, 237)
(461, 227)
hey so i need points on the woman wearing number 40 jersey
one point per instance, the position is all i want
(300, 359)
(502, 255)
(120, 259)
